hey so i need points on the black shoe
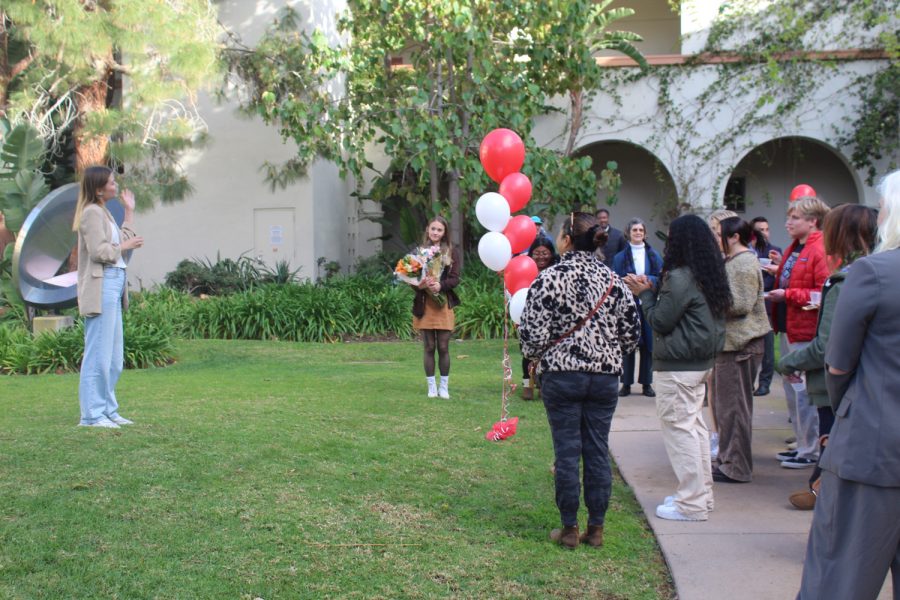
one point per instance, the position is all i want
(648, 391)
(720, 477)
(625, 391)
(761, 391)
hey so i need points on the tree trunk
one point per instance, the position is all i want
(90, 150)
(576, 99)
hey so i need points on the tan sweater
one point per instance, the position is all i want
(747, 318)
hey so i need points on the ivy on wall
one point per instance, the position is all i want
(766, 68)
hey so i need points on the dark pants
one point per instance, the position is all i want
(645, 373)
(826, 421)
(853, 541)
(768, 361)
(580, 408)
(733, 408)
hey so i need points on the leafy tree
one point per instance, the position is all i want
(425, 81)
(117, 77)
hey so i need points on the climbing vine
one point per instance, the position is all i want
(766, 68)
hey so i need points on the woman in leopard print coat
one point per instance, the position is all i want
(579, 321)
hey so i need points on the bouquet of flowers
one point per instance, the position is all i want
(421, 263)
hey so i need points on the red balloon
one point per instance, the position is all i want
(520, 231)
(800, 191)
(519, 273)
(516, 188)
(502, 152)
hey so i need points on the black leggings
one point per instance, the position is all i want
(440, 339)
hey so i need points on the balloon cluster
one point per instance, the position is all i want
(502, 155)
(802, 191)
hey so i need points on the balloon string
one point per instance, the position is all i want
(508, 385)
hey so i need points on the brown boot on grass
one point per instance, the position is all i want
(567, 537)
(527, 393)
(593, 537)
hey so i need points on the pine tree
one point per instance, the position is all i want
(117, 77)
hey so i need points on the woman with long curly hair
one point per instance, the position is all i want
(687, 315)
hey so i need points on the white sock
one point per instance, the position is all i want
(445, 379)
(526, 382)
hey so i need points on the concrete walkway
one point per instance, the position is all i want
(754, 543)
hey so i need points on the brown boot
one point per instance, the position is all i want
(804, 500)
(567, 537)
(594, 536)
(527, 393)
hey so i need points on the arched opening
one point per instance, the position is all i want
(762, 181)
(647, 189)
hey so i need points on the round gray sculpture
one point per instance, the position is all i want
(43, 247)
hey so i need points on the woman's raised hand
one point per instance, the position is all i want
(132, 242)
(127, 198)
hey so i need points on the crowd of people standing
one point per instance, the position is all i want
(703, 316)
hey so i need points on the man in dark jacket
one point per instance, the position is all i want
(763, 248)
(615, 243)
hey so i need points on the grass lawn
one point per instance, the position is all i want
(278, 470)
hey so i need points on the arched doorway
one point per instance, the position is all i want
(647, 190)
(763, 180)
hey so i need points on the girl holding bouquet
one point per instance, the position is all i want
(434, 302)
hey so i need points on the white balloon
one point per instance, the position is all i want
(494, 250)
(492, 211)
(517, 305)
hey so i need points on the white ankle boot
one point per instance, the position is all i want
(432, 387)
(444, 389)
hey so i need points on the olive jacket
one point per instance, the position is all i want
(811, 359)
(686, 335)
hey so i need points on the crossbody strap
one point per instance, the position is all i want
(587, 317)
(579, 325)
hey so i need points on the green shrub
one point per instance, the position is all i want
(481, 312)
(146, 344)
(163, 306)
(224, 276)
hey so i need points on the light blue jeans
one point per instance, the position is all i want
(104, 354)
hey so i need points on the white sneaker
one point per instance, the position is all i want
(670, 501)
(102, 422)
(670, 513)
(432, 390)
(120, 420)
(444, 392)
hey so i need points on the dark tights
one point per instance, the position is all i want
(440, 339)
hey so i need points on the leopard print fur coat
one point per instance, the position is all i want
(560, 297)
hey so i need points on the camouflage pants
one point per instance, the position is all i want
(580, 408)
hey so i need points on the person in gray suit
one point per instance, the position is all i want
(855, 533)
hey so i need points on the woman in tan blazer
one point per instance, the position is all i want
(102, 294)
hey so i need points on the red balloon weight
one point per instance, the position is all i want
(502, 152)
(519, 273)
(520, 231)
(801, 191)
(516, 188)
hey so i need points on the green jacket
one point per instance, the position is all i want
(686, 336)
(811, 359)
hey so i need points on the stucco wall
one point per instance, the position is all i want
(228, 210)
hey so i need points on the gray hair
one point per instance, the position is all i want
(634, 221)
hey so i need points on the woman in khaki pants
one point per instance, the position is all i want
(687, 316)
